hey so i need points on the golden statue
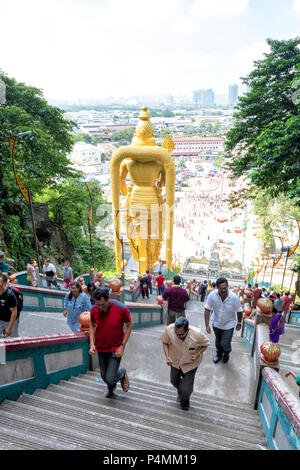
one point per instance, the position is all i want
(148, 217)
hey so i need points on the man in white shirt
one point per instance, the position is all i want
(49, 271)
(226, 309)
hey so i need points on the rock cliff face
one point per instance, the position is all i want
(50, 235)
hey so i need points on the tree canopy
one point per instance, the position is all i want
(264, 141)
(41, 157)
(43, 166)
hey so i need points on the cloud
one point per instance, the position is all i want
(246, 56)
(219, 9)
(115, 47)
(296, 6)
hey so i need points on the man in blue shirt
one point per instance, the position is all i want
(3, 266)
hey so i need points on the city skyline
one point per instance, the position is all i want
(96, 49)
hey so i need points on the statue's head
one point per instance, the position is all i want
(144, 132)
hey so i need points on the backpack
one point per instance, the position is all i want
(19, 297)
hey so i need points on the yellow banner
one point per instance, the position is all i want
(23, 189)
(294, 248)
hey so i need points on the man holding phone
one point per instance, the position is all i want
(108, 338)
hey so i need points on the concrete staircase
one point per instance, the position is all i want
(75, 415)
(290, 355)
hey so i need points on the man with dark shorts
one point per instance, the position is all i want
(108, 338)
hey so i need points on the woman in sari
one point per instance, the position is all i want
(276, 327)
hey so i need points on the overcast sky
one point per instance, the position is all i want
(98, 48)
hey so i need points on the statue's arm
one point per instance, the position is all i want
(123, 176)
(162, 178)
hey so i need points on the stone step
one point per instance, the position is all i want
(150, 436)
(86, 433)
(75, 415)
(169, 392)
(288, 365)
(162, 387)
(170, 412)
(144, 399)
(57, 434)
(143, 385)
(173, 422)
(10, 439)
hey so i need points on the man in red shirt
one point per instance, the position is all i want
(287, 302)
(108, 338)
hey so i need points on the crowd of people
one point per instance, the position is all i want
(183, 345)
(195, 213)
(282, 300)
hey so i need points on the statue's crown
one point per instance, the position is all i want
(144, 132)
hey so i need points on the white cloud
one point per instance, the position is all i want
(219, 8)
(99, 48)
(296, 6)
(247, 55)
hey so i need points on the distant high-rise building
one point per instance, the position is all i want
(233, 94)
(169, 100)
(204, 98)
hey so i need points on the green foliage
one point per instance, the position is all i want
(42, 165)
(271, 213)
(264, 142)
(18, 241)
(82, 261)
(69, 204)
(87, 138)
(41, 157)
(125, 135)
(81, 137)
(161, 113)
